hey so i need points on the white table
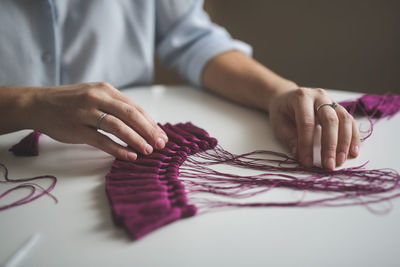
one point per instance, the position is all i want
(78, 231)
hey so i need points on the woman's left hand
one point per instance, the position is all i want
(294, 115)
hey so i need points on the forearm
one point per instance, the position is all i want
(242, 79)
(15, 103)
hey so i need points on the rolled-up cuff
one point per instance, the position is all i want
(207, 49)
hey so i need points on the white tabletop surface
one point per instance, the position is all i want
(78, 231)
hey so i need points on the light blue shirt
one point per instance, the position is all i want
(55, 42)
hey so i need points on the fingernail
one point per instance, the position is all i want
(309, 162)
(160, 143)
(356, 148)
(341, 158)
(330, 163)
(164, 137)
(148, 149)
(132, 156)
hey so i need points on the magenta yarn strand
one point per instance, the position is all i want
(374, 107)
(348, 185)
(26, 183)
(28, 146)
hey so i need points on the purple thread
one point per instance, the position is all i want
(27, 183)
(373, 107)
(346, 187)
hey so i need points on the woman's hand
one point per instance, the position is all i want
(71, 114)
(293, 115)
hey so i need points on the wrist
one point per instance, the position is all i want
(271, 92)
(25, 108)
(16, 103)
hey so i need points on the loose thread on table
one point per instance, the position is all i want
(26, 184)
(350, 186)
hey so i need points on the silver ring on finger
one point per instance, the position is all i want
(332, 105)
(100, 119)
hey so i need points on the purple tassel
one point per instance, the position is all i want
(28, 146)
(374, 106)
(147, 194)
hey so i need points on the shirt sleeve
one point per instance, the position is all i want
(186, 39)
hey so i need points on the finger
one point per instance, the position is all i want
(102, 142)
(152, 122)
(149, 119)
(127, 110)
(329, 121)
(305, 125)
(285, 131)
(115, 126)
(345, 134)
(146, 116)
(132, 117)
(116, 94)
(355, 140)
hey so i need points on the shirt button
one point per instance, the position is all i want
(46, 57)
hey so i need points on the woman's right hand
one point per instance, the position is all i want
(70, 114)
